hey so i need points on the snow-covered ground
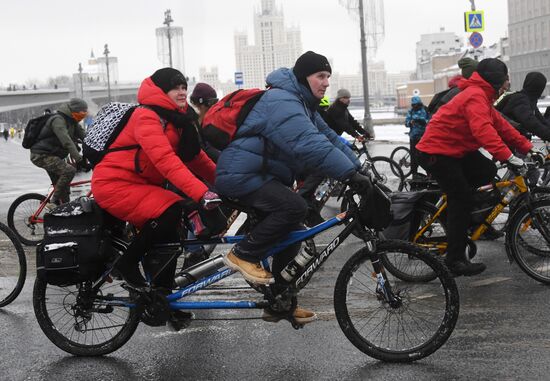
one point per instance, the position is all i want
(389, 132)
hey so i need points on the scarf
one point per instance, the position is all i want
(186, 123)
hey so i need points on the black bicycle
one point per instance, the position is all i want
(13, 266)
(383, 316)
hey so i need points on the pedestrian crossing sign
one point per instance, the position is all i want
(474, 21)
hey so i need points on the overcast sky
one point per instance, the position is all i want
(40, 39)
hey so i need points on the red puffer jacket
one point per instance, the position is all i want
(469, 121)
(139, 197)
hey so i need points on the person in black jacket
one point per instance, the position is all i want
(343, 120)
(522, 108)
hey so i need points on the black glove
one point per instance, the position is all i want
(537, 157)
(83, 165)
(516, 165)
(361, 183)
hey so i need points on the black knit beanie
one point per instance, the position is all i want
(310, 63)
(168, 78)
(493, 71)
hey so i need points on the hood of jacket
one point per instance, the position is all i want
(534, 85)
(151, 94)
(453, 82)
(476, 81)
(64, 109)
(285, 79)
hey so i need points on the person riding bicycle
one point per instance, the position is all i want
(203, 98)
(311, 181)
(282, 136)
(449, 151)
(342, 118)
(416, 120)
(129, 183)
(55, 142)
(521, 107)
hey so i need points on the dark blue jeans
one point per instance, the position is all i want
(281, 211)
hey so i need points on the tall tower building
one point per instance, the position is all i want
(529, 39)
(171, 38)
(274, 46)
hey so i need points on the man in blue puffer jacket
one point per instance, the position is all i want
(282, 136)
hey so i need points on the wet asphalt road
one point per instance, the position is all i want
(502, 331)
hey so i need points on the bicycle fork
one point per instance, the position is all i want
(384, 289)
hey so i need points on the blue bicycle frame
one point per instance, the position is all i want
(292, 238)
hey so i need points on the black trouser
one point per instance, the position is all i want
(458, 178)
(307, 191)
(414, 154)
(284, 211)
(163, 229)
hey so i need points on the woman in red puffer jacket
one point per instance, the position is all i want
(129, 183)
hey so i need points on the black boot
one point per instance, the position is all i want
(491, 234)
(464, 267)
(129, 270)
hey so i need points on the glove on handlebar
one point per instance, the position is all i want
(537, 157)
(516, 165)
(210, 200)
(361, 183)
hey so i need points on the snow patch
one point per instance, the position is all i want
(55, 246)
(75, 212)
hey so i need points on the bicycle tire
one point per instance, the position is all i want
(521, 240)
(402, 156)
(58, 332)
(13, 271)
(425, 295)
(18, 218)
(387, 172)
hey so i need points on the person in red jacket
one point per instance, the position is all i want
(449, 151)
(129, 183)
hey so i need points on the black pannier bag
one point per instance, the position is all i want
(404, 223)
(75, 244)
(376, 210)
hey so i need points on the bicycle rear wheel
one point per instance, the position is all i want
(408, 268)
(402, 156)
(526, 242)
(13, 266)
(415, 328)
(83, 323)
(30, 232)
(387, 172)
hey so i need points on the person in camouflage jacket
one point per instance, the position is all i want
(56, 141)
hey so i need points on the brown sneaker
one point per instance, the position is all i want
(252, 272)
(301, 315)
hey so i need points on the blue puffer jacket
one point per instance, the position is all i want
(296, 138)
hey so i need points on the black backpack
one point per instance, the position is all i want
(34, 128)
(76, 244)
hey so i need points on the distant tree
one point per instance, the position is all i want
(34, 87)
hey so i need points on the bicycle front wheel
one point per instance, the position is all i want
(528, 239)
(84, 323)
(13, 266)
(420, 324)
(23, 220)
(402, 156)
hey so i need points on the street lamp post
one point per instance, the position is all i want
(367, 120)
(80, 77)
(167, 21)
(106, 53)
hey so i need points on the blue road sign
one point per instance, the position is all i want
(476, 39)
(239, 80)
(474, 21)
